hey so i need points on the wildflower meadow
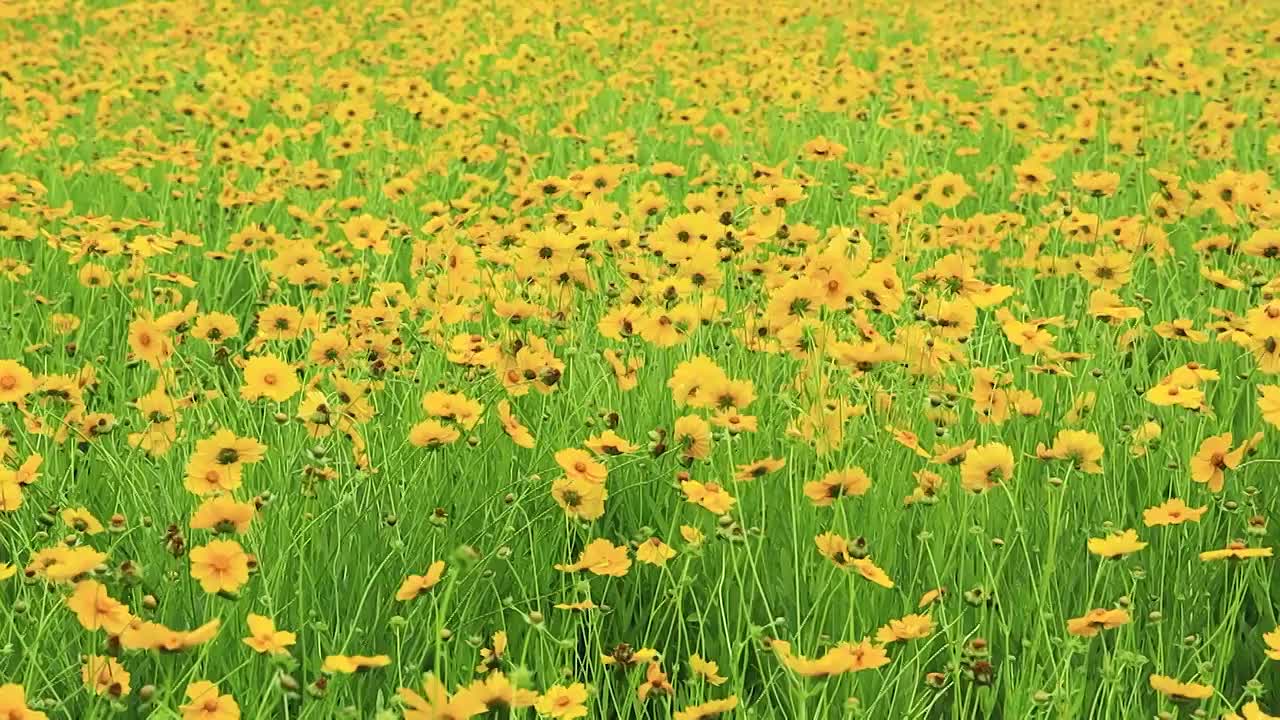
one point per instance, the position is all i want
(639, 359)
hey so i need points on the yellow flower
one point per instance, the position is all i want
(223, 513)
(278, 322)
(225, 449)
(908, 440)
(1082, 448)
(564, 702)
(1250, 711)
(105, 676)
(625, 656)
(349, 664)
(150, 342)
(707, 670)
(601, 557)
(1096, 620)
(81, 520)
(29, 471)
(205, 702)
(220, 566)
(415, 585)
(1096, 183)
(270, 377)
(708, 495)
(580, 465)
(909, 627)
(863, 656)
(929, 597)
(1214, 457)
(1176, 690)
(1236, 550)
(432, 434)
(1172, 512)
(13, 704)
(1166, 394)
(367, 232)
(834, 548)
(265, 638)
(707, 709)
(440, 705)
(843, 658)
(215, 327)
(654, 552)
(655, 682)
(986, 466)
(837, 484)
(10, 491)
(65, 564)
(512, 426)
(206, 479)
(491, 657)
(693, 436)
(610, 443)
(1272, 639)
(16, 382)
(96, 610)
(498, 695)
(872, 572)
(1269, 403)
(453, 407)
(579, 498)
(1116, 545)
(759, 468)
(142, 635)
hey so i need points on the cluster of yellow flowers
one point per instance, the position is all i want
(893, 359)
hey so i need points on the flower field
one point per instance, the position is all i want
(630, 360)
